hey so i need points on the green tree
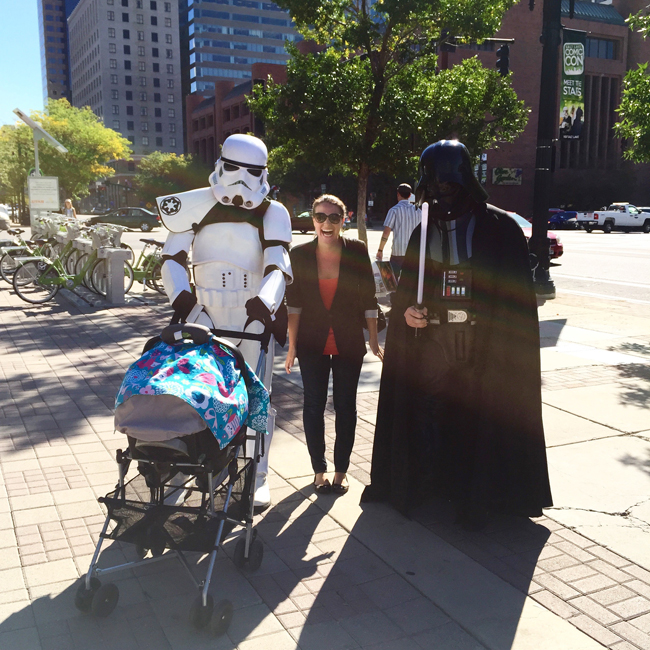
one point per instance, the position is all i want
(634, 124)
(374, 96)
(90, 147)
(166, 173)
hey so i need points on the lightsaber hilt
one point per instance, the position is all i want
(424, 226)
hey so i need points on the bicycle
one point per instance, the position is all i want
(38, 280)
(147, 268)
(21, 248)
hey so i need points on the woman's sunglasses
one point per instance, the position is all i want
(321, 217)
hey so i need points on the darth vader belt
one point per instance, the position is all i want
(453, 316)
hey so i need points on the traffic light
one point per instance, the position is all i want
(503, 60)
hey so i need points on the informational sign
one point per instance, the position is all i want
(572, 90)
(507, 175)
(480, 171)
(43, 193)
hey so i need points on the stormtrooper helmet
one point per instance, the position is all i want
(240, 175)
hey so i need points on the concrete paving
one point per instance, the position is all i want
(335, 574)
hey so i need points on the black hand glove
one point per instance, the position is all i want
(257, 310)
(183, 305)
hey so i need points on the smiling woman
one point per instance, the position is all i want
(330, 301)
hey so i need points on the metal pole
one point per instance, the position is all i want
(37, 137)
(547, 130)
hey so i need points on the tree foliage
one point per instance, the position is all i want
(374, 96)
(90, 147)
(167, 173)
(634, 124)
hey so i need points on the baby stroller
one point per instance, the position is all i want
(186, 406)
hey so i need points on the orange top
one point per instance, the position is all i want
(327, 291)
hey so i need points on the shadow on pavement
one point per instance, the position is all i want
(638, 392)
(550, 331)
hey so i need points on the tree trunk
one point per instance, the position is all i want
(362, 190)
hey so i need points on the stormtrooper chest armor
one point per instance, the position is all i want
(228, 264)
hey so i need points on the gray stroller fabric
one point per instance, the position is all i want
(139, 417)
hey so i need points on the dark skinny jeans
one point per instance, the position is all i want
(315, 371)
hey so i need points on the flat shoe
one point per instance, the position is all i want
(323, 488)
(339, 488)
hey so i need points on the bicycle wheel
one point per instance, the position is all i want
(8, 265)
(99, 277)
(156, 278)
(28, 282)
(81, 261)
(71, 260)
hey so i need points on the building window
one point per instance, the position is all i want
(126, 34)
(111, 32)
(142, 66)
(127, 80)
(138, 4)
(168, 7)
(154, 51)
(168, 22)
(156, 82)
(244, 109)
(112, 48)
(170, 68)
(141, 50)
(157, 112)
(112, 63)
(172, 142)
(159, 142)
(154, 20)
(143, 110)
(143, 81)
(127, 65)
(141, 36)
(139, 19)
(129, 126)
(156, 67)
(129, 95)
(109, 2)
(172, 127)
(170, 99)
(125, 18)
(156, 97)
(168, 39)
(601, 48)
(144, 126)
(170, 83)
(145, 140)
(153, 5)
(115, 109)
(110, 15)
(115, 94)
(158, 127)
(129, 110)
(171, 112)
(131, 166)
(125, 3)
(143, 97)
(116, 124)
(127, 50)
(131, 139)
(169, 54)
(113, 78)
(154, 37)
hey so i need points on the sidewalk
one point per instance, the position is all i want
(334, 575)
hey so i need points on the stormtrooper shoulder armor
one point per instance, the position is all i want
(277, 223)
(179, 211)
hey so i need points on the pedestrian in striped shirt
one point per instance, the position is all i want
(401, 220)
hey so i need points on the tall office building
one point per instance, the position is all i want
(52, 17)
(225, 37)
(125, 65)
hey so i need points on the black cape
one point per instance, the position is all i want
(496, 410)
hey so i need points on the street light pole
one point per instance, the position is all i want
(547, 130)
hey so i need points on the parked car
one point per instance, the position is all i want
(302, 222)
(129, 217)
(562, 219)
(5, 221)
(556, 249)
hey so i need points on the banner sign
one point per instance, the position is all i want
(507, 175)
(43, 192)
(572, 90)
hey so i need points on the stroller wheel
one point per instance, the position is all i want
(83, 599)
(140, 548)
(105, 600)
(255, 555)
(156, 540)
(199, 615)
(221, 618)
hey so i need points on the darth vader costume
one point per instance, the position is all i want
(460, 413)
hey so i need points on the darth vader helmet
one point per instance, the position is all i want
(447, 161)
(240, 174)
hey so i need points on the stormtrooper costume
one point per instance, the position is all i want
(239, 241)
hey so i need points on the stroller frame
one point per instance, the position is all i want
(101, 600)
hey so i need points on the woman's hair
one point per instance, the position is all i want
(68, 200)
(329, 198)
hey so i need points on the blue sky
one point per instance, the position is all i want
(20, 59)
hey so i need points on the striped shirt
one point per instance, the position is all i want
(402, 219)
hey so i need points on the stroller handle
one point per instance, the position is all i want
(174, 334)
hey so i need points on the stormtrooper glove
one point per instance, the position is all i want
(186, 308)
(257, 310)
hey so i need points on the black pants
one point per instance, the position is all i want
(315, 371)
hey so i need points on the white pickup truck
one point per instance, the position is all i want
(618, 216)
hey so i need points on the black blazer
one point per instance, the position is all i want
(355, 294)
